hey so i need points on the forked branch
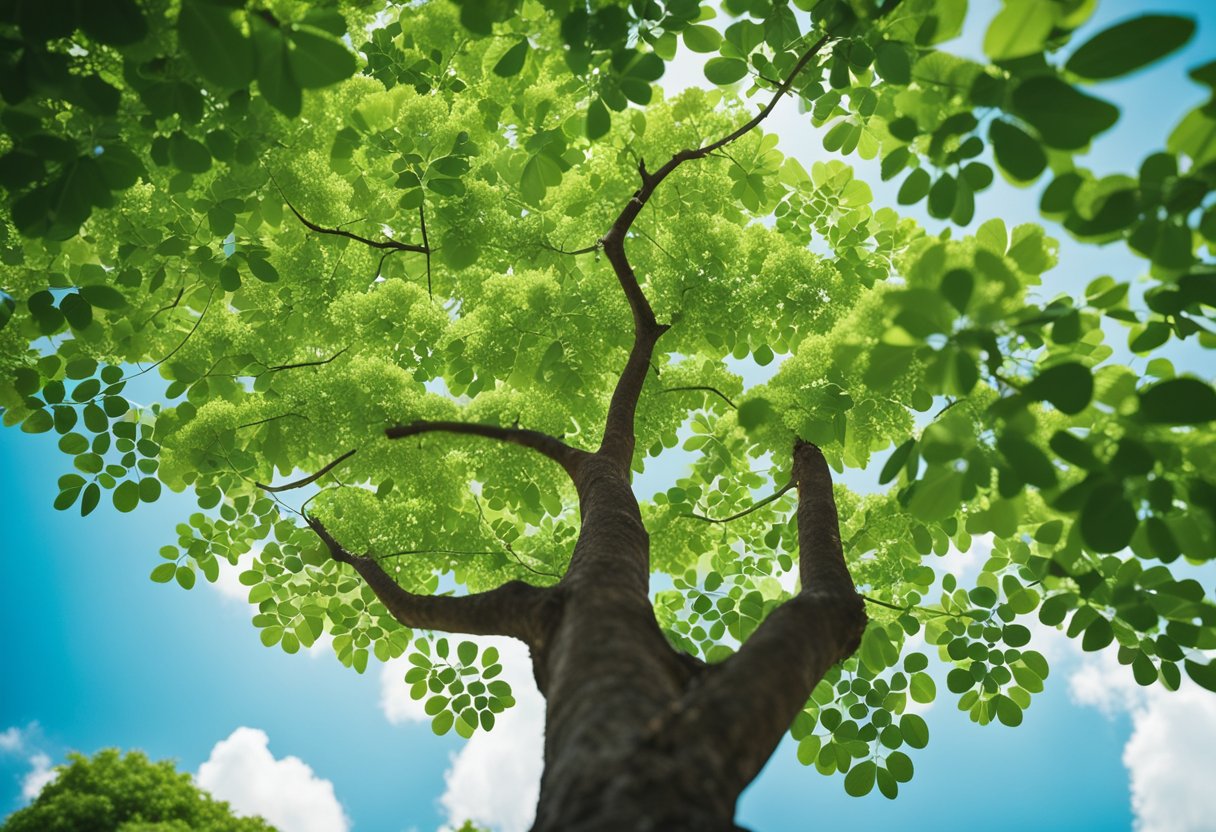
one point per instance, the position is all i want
(510, 610)
(748, 702)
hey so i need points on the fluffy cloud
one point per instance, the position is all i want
(39, 776)
(494, 780)
(1168, 756)
(286, 792)
(23, 741)
(228, 584)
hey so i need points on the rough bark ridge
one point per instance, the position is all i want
(638, 735)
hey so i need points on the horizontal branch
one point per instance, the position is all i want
(549, 446)
(320, 363)
(339, 232)
(704, 388)
(510, 610)
(311, 478)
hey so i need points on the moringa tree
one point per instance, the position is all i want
(473, 277)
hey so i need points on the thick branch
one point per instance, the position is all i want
(619, 430)
(510, 610)
(749, 701)
(550, 446)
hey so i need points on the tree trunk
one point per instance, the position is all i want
(640, 736)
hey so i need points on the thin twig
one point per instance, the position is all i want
(703, 388)
(182, 343)
(322, 363)
(753, 507)
(311, 478)
(426, 244)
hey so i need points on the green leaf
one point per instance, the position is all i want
(1019, 155)
(1130, 45)
(262, 270)
(893, 64)
(163, 573)
(914, 187)
(185, 579)
(103, 297)
(126, 495)
(702, 38)
(754, 412)
(1008, 711)
(318, 59)
(915, 730)
(1069, 387)
(1098, 634)
(512, 61)
(1027, 461)
(893, 465)
(723, 71)
(189, 155)
(274, 74)
(599, 120)
(860, 779)
(1203, 675)
(1065, 117)
(1108, 519)
(1020, 29)
(208, 33)
(466, 651)
(1177, 401)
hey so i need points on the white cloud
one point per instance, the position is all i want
(395, 699)
(1168, 757)
(494, 780)
(40, 775)
(24, 741)
(1102, 683)
(11, 740)
(286, 792)
(228, 583)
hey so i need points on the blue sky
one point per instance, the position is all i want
(96, 655)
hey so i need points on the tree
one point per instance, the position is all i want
(473, 278)
(112, 792)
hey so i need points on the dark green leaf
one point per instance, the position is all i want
(1108, 519)
(512, 61)
(723, 71)
(1019, 155)
(1065, 117)
(1130, 45)
(318, 59)
(209, 35)
(1068, 386)
(1178, 401)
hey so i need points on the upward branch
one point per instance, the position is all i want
(748, 702)
(618, 439)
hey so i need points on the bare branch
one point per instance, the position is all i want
(705, 389)
(426, 244)
(776, 495)
(340, 232)
(271, 419)
(510, 610)
(550, 446)
(280, 367)
(311, 478)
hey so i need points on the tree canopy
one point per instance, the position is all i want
(360, 242)
(113, 792)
